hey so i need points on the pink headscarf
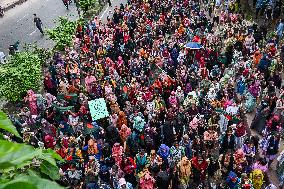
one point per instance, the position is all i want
(147, 181)
(194, 123)
(117, 152)
(227, 103)
(119, 61)
(30, 92)
(173, 99)
(124, 132)
(254, 89)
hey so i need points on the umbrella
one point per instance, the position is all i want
(193, 45)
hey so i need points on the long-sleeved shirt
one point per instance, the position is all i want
(279, 29)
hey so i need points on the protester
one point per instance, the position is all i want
(38, 23)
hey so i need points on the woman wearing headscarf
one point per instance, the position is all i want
(199, 166)
(141, 161)
(128, 166)
(228, 141)
(272, 148)
(146, 180)
(167, 130)
(164, 152)
(122, 120)
(184, 167)
(261, 115)
(31, 98)
(124, 133)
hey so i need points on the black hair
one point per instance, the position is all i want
(262, 161)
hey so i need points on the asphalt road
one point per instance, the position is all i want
(17, 24)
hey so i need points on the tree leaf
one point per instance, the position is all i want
(21, 73)
(53, 154)
(51, 170)
(30, 182)
(7, 125)
(19, 184)
(14, 154)
(33, 172)
(50, 156)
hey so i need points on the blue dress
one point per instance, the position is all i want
(241, 87)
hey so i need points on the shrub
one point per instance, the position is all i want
(21, 73)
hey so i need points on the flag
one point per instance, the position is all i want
(235, 119)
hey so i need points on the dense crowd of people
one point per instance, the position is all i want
(181, 80)
(269, 9)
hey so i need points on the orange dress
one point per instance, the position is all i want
(181, 30)
(122, 120)
(256, 58)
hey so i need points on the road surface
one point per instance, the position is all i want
(17, 24)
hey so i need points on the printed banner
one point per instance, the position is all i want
(98, 108)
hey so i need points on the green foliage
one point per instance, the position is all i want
(21, 73)
(89, 14)
(7, 125)
(63, 33)
(86, 5)
(30, 182)
(43, 54)
(50, 156)
(17, 164)
(90, 8)
(50, 170)
(13, 154)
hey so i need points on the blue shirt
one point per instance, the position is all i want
(280, 29)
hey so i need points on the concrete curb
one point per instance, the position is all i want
(18, 2)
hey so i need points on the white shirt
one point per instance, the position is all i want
(232, 110)
(73, 120)
(2, 57)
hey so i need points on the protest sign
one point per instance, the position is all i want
(98, 109)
